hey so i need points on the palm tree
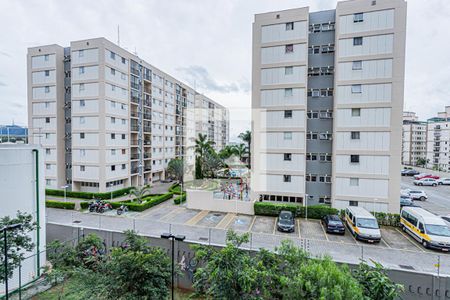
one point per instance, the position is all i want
(226, 152)
(139, 192)
(176, 169)
(202, 146)
(212, 163)
(240, 150)
(247, 138)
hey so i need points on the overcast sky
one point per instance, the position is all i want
(205, 41)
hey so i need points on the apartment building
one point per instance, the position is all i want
(438, 141)
(414, 139)
(327, 101)
(106, 118)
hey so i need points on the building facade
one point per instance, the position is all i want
(13, 134)
(414, 139)
(327, 101)
(106, 118)
(438, 141)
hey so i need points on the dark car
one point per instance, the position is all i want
(286, 221)
(333, 224)
(410, 172)
(407, 201)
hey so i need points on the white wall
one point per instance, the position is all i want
(90, 90)
(116, 108)
(40, 78)
(84, 56)
(90, 106)
(276, 119)
(278, 32)
(39, 108)
(372, 45)
(368, 164)
(368, 141)
(278, 76)
(277, 97)
(116, 62)
(276, 162)
(377, 188)
(40, 62)
(275, 183)
(370, 93)
(118, 77)
(277, 54)
(89, 173)
(371, 69)
(275, 140)
(90, 73)
(40, 92)
(116, 92)
(90, 123)
(90, 139)
(369, 117)
(90, 156)
(377, 20)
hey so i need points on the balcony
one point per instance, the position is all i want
(134, 143)
(134, 156)
(134, 128)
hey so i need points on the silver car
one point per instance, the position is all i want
(426, 181)
(444, 181)
(418, 195)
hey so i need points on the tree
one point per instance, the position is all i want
(203, 146)
(139, 192)
(247, 138)
(211, 163)
(226, 152)
(421, 162)
(19, 242)
(135, 242)
(240, 150)
(375, 282)
(176, 168)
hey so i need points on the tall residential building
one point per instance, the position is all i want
(327, 101)
(414, 139)
(106, 118)
(438, 141)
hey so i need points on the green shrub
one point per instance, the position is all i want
(273, 209)
(89, 195)
(147, 202)
(175, 189)
(388, 219)
(59, 204)
(180, 199)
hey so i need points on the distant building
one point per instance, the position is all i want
(23, 188)
(414, 139)
(438, 141)
(13, 134)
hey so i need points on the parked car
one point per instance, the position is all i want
(406, 201)
(286, 221)
(405, 192)
(426, 181)
(418, 195)
(410, 172)
(446, 219)
(333, 224)
(444, 181)
(423, 175)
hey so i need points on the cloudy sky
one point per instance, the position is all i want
(203, 42)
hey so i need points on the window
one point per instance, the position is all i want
(47, 120)
(325, 114)
(288, 114)
(48, 181)
(328, 26)
(81, 70)
(324, 136)
(80, 53)
(353, 203)
(290, 26)
(314, 50)
(355, 135)
(46, 57)
(312, 115)
(286, 178)
(287, 135)
(325, 178)
(311, 178)
(288, 92)
(287, 156)
(354, 181)
(47, 73)
(47, 136)
(356, 112)
(328, 48)
(357, 65)
(124, 151)
(113, 168)
(47, 151)
(289, 48)
(357, 41)
(124, 122)
(47, 89)
(82, 103)
(82, 168)
(124, 60)
(288, 70)
(354, 158)
(311, 136)
(82, 135)
(124, 166)
(48, 166)
(113, 136)
(123, 136)
(113, 151)
(113, 120)
(356, 89)
(47, 104)
(82, 120)
(358, 17)
(82, 152)
(81, 87)
(112, 55)
(113, 72)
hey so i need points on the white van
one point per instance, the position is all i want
(426, 228)
(362, 224)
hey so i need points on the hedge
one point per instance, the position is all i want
(180, 199)
(385, 219)
(175, 189)
(274, 209)
(89, 195)
(147, 202)
(59, 204)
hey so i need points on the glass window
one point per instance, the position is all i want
(357, 65)
(354, 181)
(288, 70)
(113, 72)
(81, 70)
(112, 55)
(289, 48)
(287, 135)
(356, 112)
(47, 120)
(287, 178)
(356, 89)
(113, 136)
(81, 87)
(82, 168)
(358, 17)
(354, 158)
(287, 156)
(355, 135)
(46, 57)
(288, 92)
(353, 203)
(82, 120)
(288, 114)
(82, 103)
(47, 73)
(357, 41)
(47, 89)
(82, 135)
(290, 26)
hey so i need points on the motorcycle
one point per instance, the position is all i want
(104, 206)
(122, 209)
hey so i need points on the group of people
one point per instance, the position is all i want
(234, 190)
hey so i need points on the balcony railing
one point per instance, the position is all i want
(134, 156)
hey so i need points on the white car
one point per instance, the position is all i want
(418, 195)
(426, 181)
(444, 181)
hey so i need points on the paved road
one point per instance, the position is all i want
(438, 197)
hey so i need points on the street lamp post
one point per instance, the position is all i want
(306, 206)
(5, 230)
(172, 237)
(65, 191)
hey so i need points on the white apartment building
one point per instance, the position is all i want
(106, 118)
(414, 139)
(438, 141)
(327, 101)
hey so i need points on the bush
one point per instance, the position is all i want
(180, 199)
(273, 209)
(175, 189)
(89, 195)
(147, 202)
(59, 204)
(388, 219)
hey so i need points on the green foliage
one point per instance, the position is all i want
(147, 202)
(175, 189)
(240, 150)
(59, 204)
(211, 163)
(375, 282)
(175, 168)
(62, 255)
(198, 168)
(140, 192)
(90, 251)
(88, 195)
(18, 241)
(135, 242)
(204, 151)
(226, 152)
(247, 138)
(388, 219)
(421, 162)
(273, 209)
(180, 199)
